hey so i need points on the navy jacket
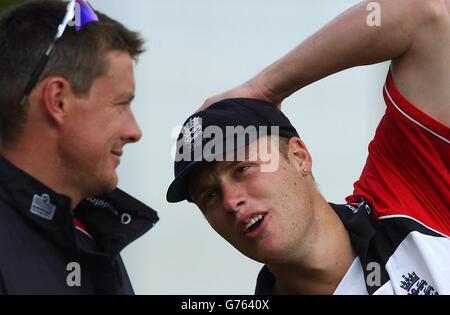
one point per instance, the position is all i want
(42, 251)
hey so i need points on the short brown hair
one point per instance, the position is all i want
(25, 33)
(283, 147)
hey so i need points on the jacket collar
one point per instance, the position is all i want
(114, 219)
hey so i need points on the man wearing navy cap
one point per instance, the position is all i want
(277, 216)
(393, 236)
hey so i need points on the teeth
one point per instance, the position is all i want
(253, 221)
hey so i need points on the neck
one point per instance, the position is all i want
(324, 262)
(42, 163)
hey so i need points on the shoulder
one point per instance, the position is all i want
(430, 17)
(428, 10)
(417, 15)
(434, 9)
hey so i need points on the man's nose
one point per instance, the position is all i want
(131, 132)
(234, 197)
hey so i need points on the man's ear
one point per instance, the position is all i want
(56, 94)
(299, 156)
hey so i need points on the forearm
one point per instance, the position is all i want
(345, 42)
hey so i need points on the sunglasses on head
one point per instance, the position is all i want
(83, 14)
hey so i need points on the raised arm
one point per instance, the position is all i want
(415, 34)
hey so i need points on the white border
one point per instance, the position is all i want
(408, 217)
(412, 119)
(81, 230)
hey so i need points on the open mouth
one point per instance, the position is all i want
(254, 223)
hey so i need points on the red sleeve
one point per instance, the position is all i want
(407, 172)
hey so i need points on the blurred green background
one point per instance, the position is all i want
(6, 3)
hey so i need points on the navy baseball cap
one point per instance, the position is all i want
(224, 127)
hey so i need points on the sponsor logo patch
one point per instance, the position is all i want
(42, 207)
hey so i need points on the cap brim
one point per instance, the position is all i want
(178, 188)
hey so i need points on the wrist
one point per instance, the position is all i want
(259, 87)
